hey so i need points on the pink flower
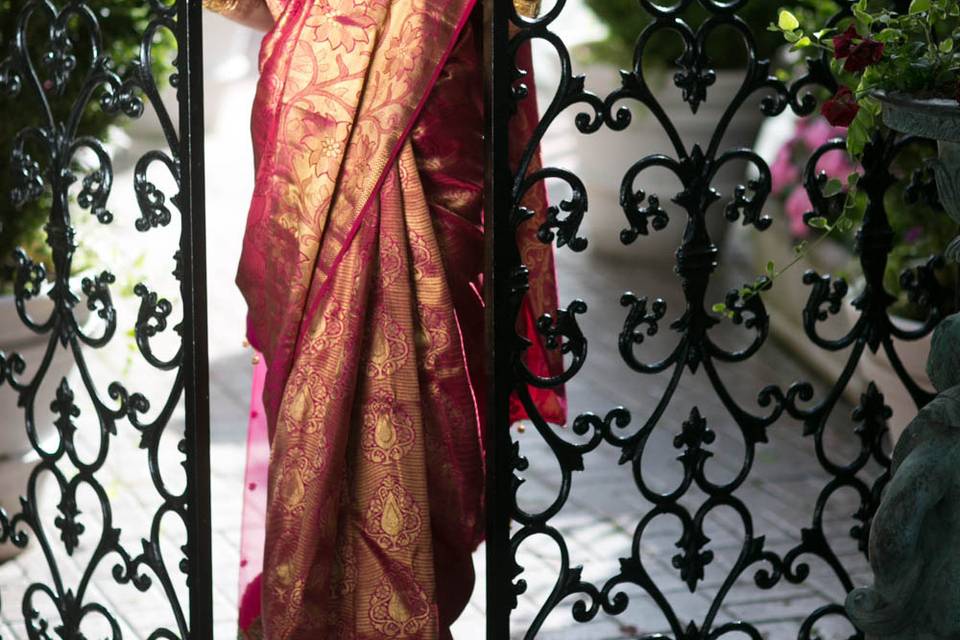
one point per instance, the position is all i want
(796, 206)
(784, 172)
(835, 164)
(818, 132)
(913, 234)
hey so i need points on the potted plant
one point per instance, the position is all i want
(23, 221)
(605, 156)
(899, 70)
(917, 221)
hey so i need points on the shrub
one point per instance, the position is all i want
(122, 24)
(626, 19)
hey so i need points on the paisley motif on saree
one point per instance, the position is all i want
(362, 270)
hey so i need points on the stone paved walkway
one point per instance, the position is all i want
(604, 506)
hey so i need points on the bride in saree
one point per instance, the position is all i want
(362, 269)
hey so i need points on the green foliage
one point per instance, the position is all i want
(122, 24)
(920, 228)
(920, 55)
(842, 224)
(626, 19)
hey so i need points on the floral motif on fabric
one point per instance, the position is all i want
(342, 23)
(299, 470)
(387, 433)
(435, 341)
(390, 349)
(393, 518)
(424, 254)
(399, 608)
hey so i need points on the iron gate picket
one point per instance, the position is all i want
(697, 258)
(60, 44)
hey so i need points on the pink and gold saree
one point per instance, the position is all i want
(362, 269)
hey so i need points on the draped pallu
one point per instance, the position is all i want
(362, 269)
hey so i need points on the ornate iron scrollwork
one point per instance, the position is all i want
(56, 45)
(695, 347)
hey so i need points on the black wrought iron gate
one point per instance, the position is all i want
(59, 67)
(693, 326)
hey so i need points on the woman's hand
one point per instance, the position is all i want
(249, 13)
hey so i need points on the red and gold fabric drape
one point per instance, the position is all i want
(362, 268)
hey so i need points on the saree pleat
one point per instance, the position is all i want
(384, 351)
(362, 268)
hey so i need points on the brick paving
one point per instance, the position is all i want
(604, 506)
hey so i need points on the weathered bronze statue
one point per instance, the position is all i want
(915, 537)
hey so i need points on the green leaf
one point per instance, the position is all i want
(860, 132)
(946, 46)
(864, 18)
(720, 308)
(832, 188)
(787, 21)
(771, 269)
(889, 35)
(819, 223)
(844, 224)
(919, 6)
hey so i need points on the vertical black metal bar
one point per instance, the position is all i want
(500, 253)
(194, 288)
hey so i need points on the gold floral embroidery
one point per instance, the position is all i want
(399, 612)
(393, 518)
(342, 23)
(435, 339)
(299, 470)
(221, 6)
(527, 8)
(255, 632)
(344, 580)
(387, 430)
(314, 318)
(389, 350)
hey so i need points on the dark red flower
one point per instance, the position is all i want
(868, 52)
(844, 43)
(841, 109)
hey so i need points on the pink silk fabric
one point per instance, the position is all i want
(439, 136)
